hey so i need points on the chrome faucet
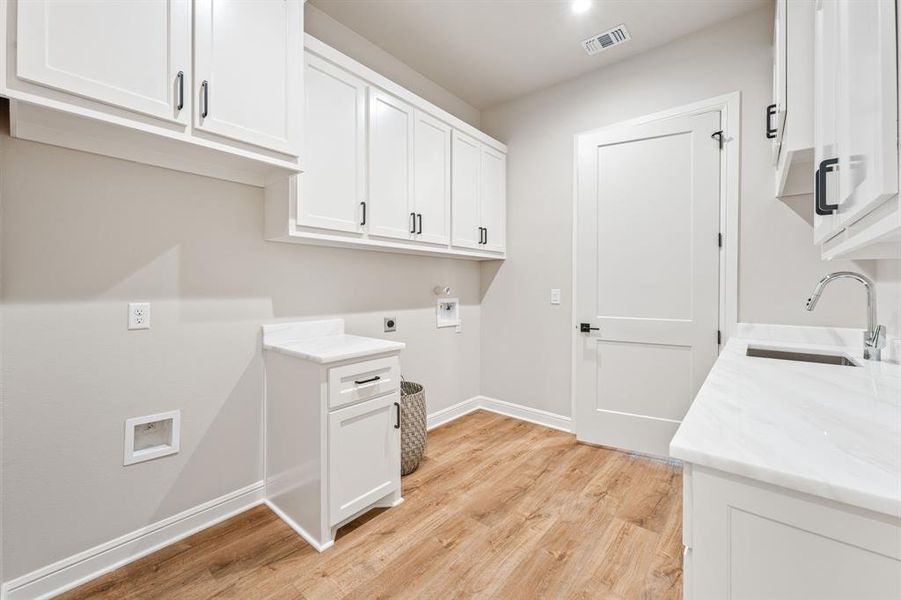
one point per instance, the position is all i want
(874, 336)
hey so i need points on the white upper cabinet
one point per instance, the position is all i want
(493, 199)
(867, 106)
(825, 119)
(479, 195)
(791, 126)
(131, 55)
(466, 188)
(431, 178)
(390, 167)
(386, 170)
(858, 213)
(333, 185)
(248, 71)
(213, 87)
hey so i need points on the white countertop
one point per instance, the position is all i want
(826, 430)
(323, 341)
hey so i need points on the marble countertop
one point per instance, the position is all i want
(323, 341)
(826, 430)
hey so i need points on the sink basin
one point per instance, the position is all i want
(801, 356)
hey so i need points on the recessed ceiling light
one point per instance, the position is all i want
(581, 6)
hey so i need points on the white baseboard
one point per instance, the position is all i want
(451, 413)
(80, 568)
(517, 411)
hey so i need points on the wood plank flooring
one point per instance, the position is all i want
(498, 509)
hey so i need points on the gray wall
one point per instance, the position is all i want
(521, 331)
(335, 34)
(81, 236)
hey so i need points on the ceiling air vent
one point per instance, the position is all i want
(608, 39)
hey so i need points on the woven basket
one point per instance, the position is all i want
(412, 426)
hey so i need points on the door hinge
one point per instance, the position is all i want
(719, 240)
(719, 337)
(718, 136)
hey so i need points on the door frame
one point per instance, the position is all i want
(729, 106)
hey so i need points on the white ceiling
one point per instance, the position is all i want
(490, 51)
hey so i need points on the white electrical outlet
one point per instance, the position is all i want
(555, 296)
(139, 315)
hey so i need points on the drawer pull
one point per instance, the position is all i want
(397, 418)
(370, 380)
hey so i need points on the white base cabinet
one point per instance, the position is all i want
(205, 86)
(748, 540)
(332, 440)
(384, 171)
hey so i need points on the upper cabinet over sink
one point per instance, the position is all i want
(386, 170)
(206, 86)
(857, 209)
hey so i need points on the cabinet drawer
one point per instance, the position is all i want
(363, 380)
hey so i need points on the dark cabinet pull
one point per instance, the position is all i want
(180, 78)
(822, 206)
(419, 229)
(363, 221)
(486, 235)
(481, 235)
(205, 98)
(412, 222)
(370, 380)
(770, 113)
(397, 418)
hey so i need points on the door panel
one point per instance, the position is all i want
(826, 80)
(465, 191)
(364, 455)
(867, 106)
(493, 199)
(333, 184)
(431, 178)
(390, 166)
(250, 54)
(123, 53)
(647, 277)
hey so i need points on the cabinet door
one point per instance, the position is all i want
(431, 178)
(248, 71)
(333, 184)
(493, 199)
(465, 190)
(825, 116)
(780, 69)
(364, 455)
(867, 106)
(123, 53)
(390, 166)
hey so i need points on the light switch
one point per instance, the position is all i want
(555, 296)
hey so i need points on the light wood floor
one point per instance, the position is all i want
(499, 509)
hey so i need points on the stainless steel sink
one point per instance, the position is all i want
(800, 356)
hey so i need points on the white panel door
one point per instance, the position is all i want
(391, 211)
(826, 81)
(647, 264)
(431, 178)
(133, 55)
(493, 199)
(248, 71)
(465, 191)
(867, 106)
(364, 455)
(333, 184)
